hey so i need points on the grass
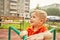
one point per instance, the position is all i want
(24, 25)
(54, 23)
(57, 24)
(21, 26)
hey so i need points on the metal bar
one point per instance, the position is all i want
(24, 37)
(54, 33)
(9, 33)
(15, 30)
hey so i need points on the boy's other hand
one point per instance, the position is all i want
(23, 33)
(48, 35)
(35, 37)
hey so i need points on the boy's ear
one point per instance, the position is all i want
(46, 19)
(41, 20)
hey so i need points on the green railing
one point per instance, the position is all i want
(24, 37)
(17, 31)
(53, 30)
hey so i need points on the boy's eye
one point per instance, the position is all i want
(33, 16)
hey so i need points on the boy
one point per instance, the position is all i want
(37, 28)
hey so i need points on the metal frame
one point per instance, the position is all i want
(24, 37)
(15, 30)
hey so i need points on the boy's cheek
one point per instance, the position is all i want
(31, 24)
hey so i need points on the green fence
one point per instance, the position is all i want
(54, 33)
(17, 31)
(24, 37)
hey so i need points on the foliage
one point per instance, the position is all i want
(53, 11)
(56, 24)
(37, 7)
(22, 26)
(16, 20)
(58, 29)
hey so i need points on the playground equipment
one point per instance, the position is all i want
(24, 37)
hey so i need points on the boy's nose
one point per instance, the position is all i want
(30, 18)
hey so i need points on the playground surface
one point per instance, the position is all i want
(14, 36)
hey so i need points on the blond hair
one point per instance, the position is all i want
(42, 13)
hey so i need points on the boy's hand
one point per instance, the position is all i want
(23, 33)
(35, 37)
(48, 36)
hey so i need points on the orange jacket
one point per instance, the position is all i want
(32, 32)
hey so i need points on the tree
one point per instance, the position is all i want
(53, 11)
(37, 7)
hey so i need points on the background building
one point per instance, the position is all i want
(13, 10)
(1, 7)
(17, 8)
(24, 8)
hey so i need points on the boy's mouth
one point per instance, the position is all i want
(31, 21)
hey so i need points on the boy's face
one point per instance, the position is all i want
(35, 19)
